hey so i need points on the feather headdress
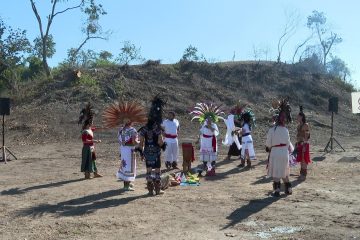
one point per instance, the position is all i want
(202, 111)
(279, 106)
(122, 112)
(156, 110)
(86, 114)
(248, 116)
(238, 109)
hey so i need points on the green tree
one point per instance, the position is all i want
(190, 54)
(92, 29)
(327, 39)
(129, 53)
(50, 45)
(14, 46)
(337, 67)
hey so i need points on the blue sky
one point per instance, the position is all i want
(218, 28)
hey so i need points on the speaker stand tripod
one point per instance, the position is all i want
(330, 145)
(4, 149)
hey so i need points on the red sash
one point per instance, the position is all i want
(213, 143)
(170, 136)
(280, 145)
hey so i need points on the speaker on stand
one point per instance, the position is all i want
(333, 108)
(5, 110)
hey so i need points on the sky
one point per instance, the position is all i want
(218, 28)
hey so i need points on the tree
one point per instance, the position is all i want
(129, 52)
(298, 47)
(105, 55)
(50, 45)
(14, 46)
(190, 54)
(83, 59)
(292, 22)
(337, 67)
(87, 6)
(327, 39)
(92, 29)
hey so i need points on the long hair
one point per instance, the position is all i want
(302, 114)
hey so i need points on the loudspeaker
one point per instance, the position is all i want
(333, 104)
(4, 106)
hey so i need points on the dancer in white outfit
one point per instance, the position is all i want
(171, 129)
(278, 143)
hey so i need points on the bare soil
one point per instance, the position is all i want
(44, 196)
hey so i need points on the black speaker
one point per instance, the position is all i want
(4, 106)
(334, 104)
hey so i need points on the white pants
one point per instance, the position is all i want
(172, 152)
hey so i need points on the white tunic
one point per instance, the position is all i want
(171, 127)
(172, 148)
(279, 156)
(208, 152)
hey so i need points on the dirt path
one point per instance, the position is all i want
(43, 196)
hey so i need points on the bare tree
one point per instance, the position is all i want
(298, 47)
(45, 30)
(291, 24)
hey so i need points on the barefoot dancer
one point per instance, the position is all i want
(208, 116)
(88, 156)
(125, 114)
(302, 144)
(247, 151)
(278, 142)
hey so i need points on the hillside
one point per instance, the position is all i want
(47, 111)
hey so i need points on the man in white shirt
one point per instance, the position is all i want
(171, 128)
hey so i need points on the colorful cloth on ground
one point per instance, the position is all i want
(127, 170)
(278, 141)
(171, 139)
(247, 143)
(152, 150)
(208, 143)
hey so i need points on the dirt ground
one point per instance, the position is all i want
(44, 196)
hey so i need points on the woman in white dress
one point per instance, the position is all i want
(128, 138)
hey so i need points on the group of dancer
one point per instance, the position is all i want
(157, 135)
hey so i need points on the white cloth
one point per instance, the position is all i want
(172, 152)
(247, 143)
(279, 156)
(207, 153)
(171, 127)
(172, 148)
(229, 137)
(127, 169)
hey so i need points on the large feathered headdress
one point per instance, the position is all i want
(86, 114)
(156, 110)
(279, 106)
(122, 112)
(202, 111)
(238, 109)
